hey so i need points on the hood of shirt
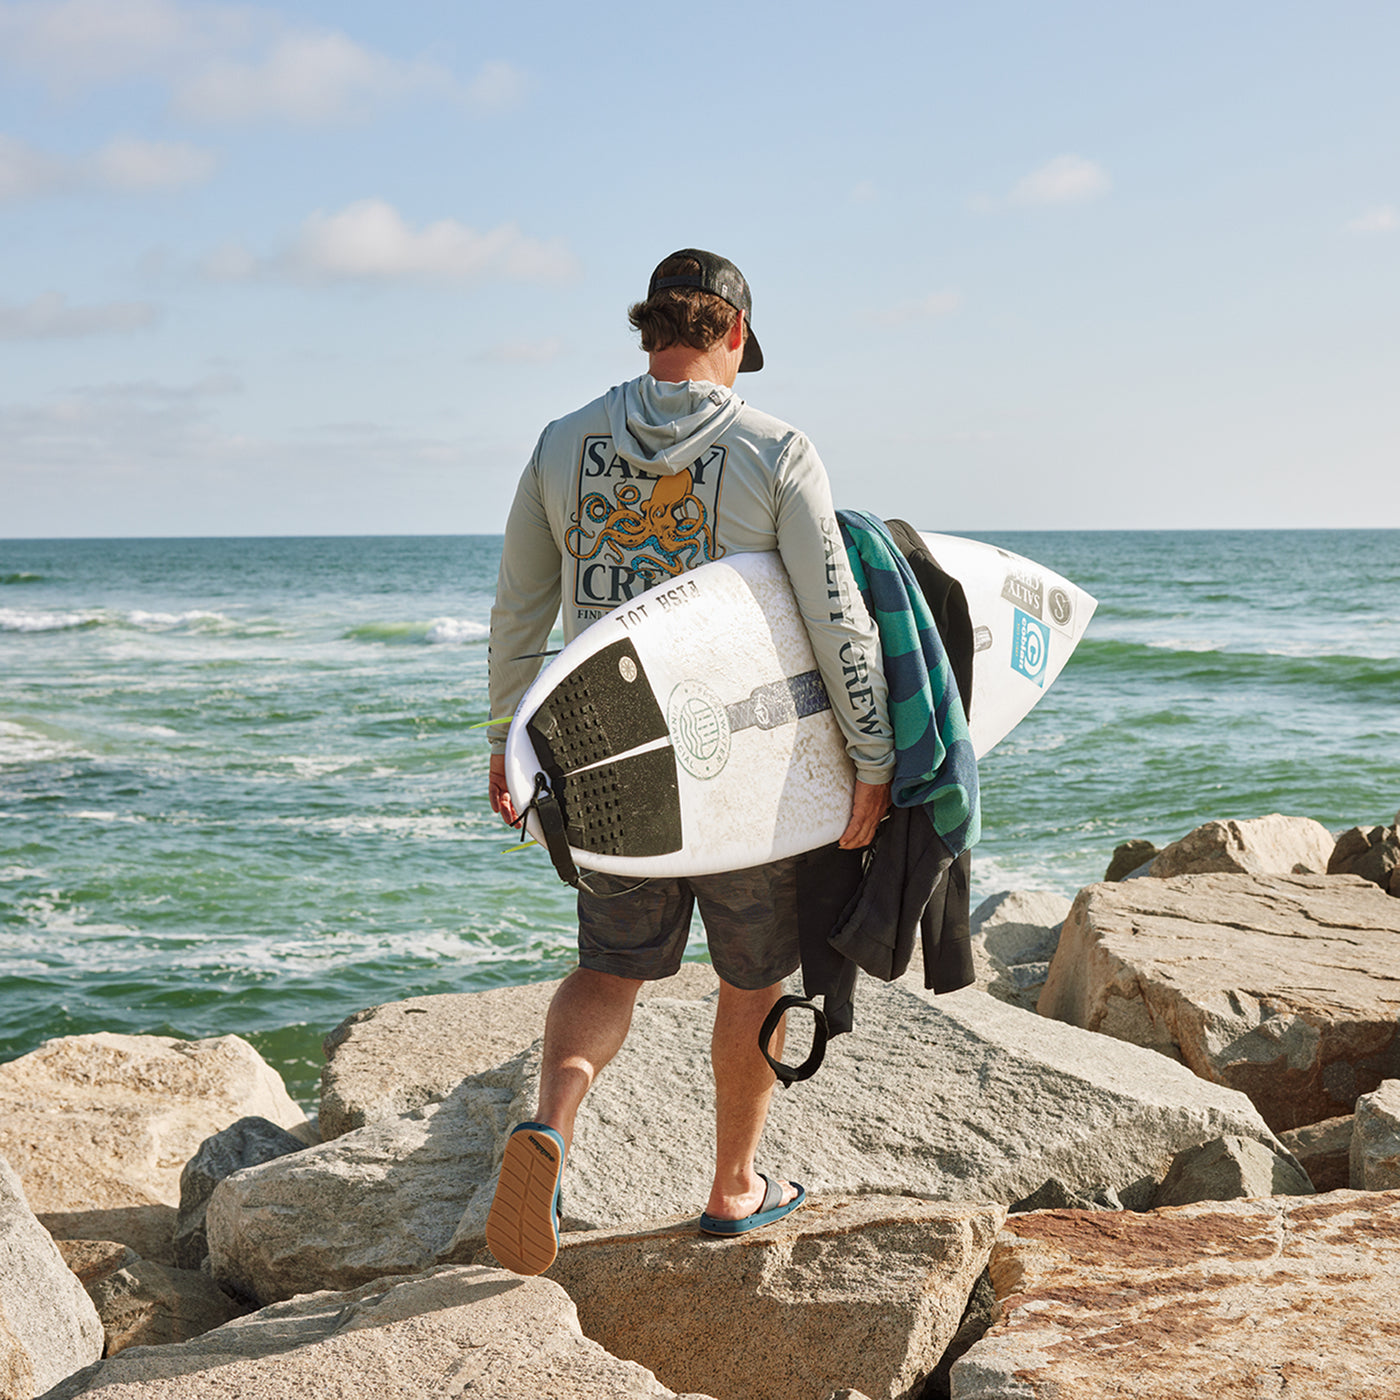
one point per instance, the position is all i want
(663, 428)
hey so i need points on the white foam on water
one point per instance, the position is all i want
(113, 818)
(21, 745)
(28, 620)
(455, 631)
(194, 618)
(318, 767)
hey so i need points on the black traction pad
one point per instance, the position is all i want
(627, 807)
(602, 708)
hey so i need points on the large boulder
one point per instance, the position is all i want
(1272, 845)
(98, 1127)
(1375, 1139)
(389, 1060)
(1014, 934)
(1284, 987)
(1373, 852)
(864, 1292)
(1289, 1295)
(1323, 1150)
(453, 1332)
(48, 1325)
(1230, 1169)
(246, 1143)
(147, 1304)
(953, 1097)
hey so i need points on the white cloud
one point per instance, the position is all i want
(78, 42)
(1382, 220)
(497, 86)
(370, 241)
(130, 164)
(227, 62)
(50, 317)
(123, 164)
(315, 78)
(933, 307)
(26, 173)
(1067, 179)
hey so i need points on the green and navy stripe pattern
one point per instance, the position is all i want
(935, 766)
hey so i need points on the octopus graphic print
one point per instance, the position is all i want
(635, 528)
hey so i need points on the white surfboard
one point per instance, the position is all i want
(688, 732)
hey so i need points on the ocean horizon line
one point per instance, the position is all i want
(978, 532)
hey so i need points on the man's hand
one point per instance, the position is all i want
(500, 793)
(869, 803)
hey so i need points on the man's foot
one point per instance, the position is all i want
(523, 1226)
(778, 1198)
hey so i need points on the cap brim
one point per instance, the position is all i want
(753, 356)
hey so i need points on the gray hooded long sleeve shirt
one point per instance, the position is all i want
(652, 479)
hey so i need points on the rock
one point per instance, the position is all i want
(99, 1126)
(245, 1143)
(389, 1060)
(1269, 1297)
(452, 1332)
(1020, 926)
(1129, 858)
(866, 1292)
(1055, 1195)
(1375, 1139)
(1272, 845)
(50, 1328)
(148, 1304)
(1230, 1169)
(950, 1097)
(1372, 852)
(16, 1370)
(1323, 1151)
(1284, 987)
(1013, 939)
(91, 1260)
(977, 1317)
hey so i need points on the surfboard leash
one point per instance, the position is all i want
(788, 1074)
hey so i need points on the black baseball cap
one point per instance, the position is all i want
(722, 279)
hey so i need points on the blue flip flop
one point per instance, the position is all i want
(767, 1213)
(523, 1226)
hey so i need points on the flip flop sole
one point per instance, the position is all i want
(522, 1228)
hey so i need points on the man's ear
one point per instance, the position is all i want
(736, 333)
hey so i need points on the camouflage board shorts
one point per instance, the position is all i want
(639, 929)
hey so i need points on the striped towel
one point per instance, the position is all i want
(935, 767)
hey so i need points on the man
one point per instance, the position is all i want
(659, 475)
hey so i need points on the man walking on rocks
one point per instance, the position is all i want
(659, 475)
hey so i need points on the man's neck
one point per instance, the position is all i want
(677, 363)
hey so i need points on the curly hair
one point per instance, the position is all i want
(681, 315)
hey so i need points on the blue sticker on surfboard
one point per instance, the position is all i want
(1030, 647)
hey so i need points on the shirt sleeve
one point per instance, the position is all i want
(528, 592)
(844, 639)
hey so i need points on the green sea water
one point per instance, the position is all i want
(241, 791)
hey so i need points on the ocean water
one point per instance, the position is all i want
(241, 791)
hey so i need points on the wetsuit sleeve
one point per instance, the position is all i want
(528, 591)
(844, 639)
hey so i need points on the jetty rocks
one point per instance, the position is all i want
(1154, 1151)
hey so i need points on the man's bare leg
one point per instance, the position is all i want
(587, 1023)
(743, 1091)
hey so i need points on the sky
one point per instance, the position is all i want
(313, 268)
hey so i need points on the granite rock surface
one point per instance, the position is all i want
(1284, 987)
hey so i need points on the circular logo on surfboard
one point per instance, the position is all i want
(699, 725)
